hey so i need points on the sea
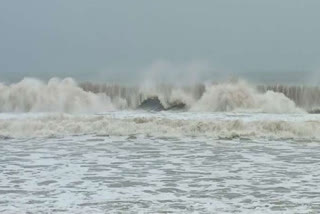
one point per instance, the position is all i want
(229, 147)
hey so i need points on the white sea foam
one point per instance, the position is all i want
(170, 125)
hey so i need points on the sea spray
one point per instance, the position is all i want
(32, 95)
(240, 96)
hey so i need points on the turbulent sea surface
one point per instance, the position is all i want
(223, 148)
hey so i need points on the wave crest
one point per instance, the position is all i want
(31, 95)
(239, 96)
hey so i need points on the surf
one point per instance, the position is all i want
(68, 96)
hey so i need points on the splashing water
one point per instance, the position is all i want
(31, 95)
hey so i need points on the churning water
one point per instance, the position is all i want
(220, 148)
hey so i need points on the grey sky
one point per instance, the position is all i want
(117, 39)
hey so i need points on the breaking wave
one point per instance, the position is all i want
(74, 106)
(159, 125)
(31, 95)
(240, 96)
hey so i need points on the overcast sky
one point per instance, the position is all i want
(121, 39)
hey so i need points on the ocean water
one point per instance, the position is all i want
(213, 148)
(138, 162)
